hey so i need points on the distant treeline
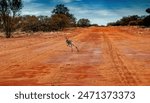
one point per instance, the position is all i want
(133, 20)
(53, 23)
(10, 19)
(61, 18)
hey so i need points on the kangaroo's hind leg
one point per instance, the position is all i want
(76, 47)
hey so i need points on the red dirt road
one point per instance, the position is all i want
(108, 56)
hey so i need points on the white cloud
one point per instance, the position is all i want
(66, 1)
(37, 9)
(28, 1)
(96, 15)
(103, 16)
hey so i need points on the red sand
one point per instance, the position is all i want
(108, 56)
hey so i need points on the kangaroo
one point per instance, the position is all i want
(71, 45)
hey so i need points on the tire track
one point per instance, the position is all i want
(125, 75)
(78, 74)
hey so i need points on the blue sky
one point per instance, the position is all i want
(97, 11)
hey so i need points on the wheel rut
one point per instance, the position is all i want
(124, 74)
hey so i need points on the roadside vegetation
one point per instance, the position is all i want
(9, 12)
(133, 20)
(11, 20)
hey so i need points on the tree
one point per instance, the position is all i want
(61, 9)
(29, 23)
(146, 21)
(95, 25)
(83, 22)
(148, 10)
(129, 20)
(72, 20)
(59, 21)
(8, 11)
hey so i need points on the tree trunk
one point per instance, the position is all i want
(8, 35)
